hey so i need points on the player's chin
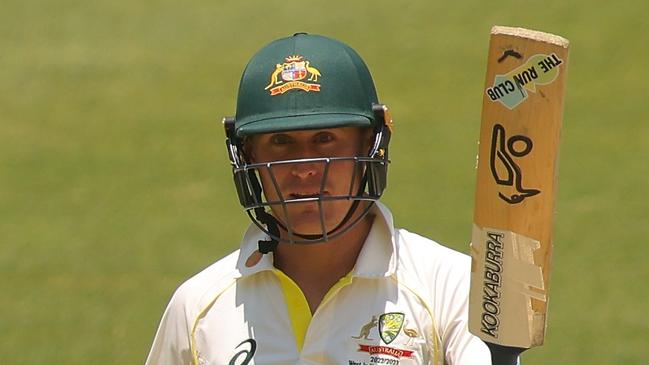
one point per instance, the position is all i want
(310, 222)
(312, 218)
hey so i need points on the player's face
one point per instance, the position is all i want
(310, 179)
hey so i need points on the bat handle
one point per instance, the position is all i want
(504, 355)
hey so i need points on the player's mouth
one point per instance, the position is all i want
(307, 194)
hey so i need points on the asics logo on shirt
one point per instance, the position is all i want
(247, 352)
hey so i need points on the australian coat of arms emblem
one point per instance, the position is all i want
(291, 74)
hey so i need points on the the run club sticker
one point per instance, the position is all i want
(512, 88)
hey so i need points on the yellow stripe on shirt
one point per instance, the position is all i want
(298, 307)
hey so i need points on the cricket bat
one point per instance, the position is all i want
(511, 246)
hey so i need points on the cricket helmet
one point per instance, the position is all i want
(306, 82)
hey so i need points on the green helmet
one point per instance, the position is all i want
(306, 82)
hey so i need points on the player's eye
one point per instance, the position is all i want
(323, 137)
(280, 139)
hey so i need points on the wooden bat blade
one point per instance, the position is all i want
(516, 186)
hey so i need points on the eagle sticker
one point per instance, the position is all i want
(390, 325)
(291, 74)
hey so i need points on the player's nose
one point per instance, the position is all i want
(305, 170)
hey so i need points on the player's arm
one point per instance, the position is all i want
(172, 343)
(460, 347)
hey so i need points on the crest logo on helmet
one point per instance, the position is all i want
(290, 75)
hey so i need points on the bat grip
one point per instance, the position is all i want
(504, 355)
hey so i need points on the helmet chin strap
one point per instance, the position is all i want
(265, 246)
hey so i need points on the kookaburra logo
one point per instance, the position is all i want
(289, 75)
(503, 167)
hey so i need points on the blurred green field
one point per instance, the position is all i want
(115, 187)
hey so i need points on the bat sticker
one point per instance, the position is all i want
(510, 280)
(513, 88)
(510, 174)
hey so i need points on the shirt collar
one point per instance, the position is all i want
(376, 259)
(378, 255)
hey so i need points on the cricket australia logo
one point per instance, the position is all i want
(291, 75)
(390, 325)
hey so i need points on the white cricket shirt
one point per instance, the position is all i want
(405, 302)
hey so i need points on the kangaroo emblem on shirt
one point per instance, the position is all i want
(365, 330)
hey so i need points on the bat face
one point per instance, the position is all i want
(516, 186)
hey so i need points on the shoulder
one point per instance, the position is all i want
(439, 275)
(442, 276)
(426, 258)
(195, 292)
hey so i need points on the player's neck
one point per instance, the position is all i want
(315, 268)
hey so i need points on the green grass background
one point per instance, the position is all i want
(115, 187)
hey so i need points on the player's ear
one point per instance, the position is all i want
(248, 150)
(366, 135)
